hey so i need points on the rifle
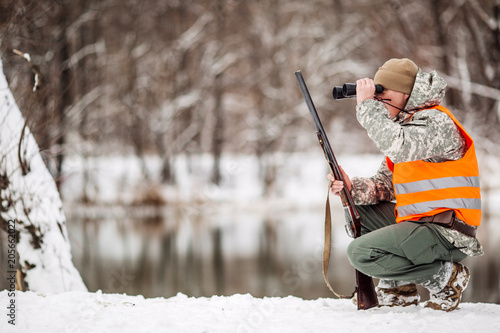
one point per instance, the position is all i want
(367, 297)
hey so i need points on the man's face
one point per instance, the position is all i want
(396, 98)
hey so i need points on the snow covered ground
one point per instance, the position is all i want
(98, 312)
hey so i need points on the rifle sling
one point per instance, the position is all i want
(327, 246)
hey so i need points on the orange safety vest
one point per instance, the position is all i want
(426, 188)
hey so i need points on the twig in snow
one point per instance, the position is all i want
(33, 67)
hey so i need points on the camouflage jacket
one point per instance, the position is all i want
(430, 136)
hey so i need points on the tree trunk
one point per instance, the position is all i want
(30, 200)
(218, 131)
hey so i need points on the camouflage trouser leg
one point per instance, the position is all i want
(406, 251)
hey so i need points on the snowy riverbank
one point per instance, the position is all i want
(98, 312)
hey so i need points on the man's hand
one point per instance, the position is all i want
(365, 89)
(338, 185)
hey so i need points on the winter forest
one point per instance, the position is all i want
(163, 148)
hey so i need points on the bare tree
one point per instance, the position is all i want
(216, 77)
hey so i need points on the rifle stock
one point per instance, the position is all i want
(367, 297)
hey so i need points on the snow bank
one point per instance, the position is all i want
(301, 178)
(98, 312)
(32, 205)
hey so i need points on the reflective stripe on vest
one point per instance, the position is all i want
(439, 183)
(432, 205)
(426, 188)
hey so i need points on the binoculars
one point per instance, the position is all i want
(348, 90)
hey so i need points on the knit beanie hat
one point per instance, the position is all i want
(397, 74)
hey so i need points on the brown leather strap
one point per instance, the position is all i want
(464, 228)
(327, 245)
(448, 219)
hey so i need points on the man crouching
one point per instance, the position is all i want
(431, 173)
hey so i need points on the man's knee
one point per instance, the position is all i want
(357, 254)
(365, 258)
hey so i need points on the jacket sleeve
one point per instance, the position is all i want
(370, 191)
(431, 135)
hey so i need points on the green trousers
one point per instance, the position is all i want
(407, 251)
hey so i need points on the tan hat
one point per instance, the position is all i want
(397, 74)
